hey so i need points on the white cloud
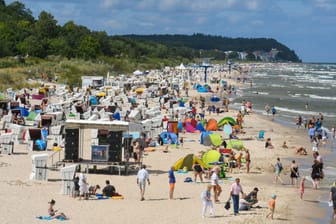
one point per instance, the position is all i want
(109, 3)
(115, 24)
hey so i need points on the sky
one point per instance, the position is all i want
(307, 27)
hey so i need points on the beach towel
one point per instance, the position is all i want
(50, 218)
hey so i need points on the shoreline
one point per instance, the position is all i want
(186, 208)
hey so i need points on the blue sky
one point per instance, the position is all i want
(306, 26)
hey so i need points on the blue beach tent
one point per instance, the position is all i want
(166, 136)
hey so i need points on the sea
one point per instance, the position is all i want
(296, 89)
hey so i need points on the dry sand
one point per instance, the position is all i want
(22, 199)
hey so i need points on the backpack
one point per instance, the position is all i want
(280, 166)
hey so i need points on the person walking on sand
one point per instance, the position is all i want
(272, 207)
(333, 197)
(247, 160)
(83, 186)
(172, 182)
(278, 168)
(207, 202)
(198, 171)
(294, 175)
(302, 187)
(215, 183)
(54, 213)
(236, 189)
(142, 177)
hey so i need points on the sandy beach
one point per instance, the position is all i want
(22, 199)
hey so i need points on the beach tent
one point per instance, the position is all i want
(24, 112)
(204, 134)
(212, 125)
(190, 128)
(235, 144)
(200, 127)
(166, 136)
(116, 116)
(93, 100)
(210, 157)
(227, 120)
(137, 72)
(196, 86)
(32, 115)
(202, 89)
(188, 161)
(214, 99)
(212, 139)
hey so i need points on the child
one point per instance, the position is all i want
(53, 213)
(206, 200)
(302, 187)
(181, 141)
(93, 189)
(271, 206)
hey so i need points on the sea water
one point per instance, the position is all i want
(289, 88)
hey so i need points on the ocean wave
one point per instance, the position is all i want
(320, 97)
(317, 87)
(296, 95)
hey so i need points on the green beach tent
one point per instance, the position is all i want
(227, 120)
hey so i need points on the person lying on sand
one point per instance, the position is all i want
(301, 151)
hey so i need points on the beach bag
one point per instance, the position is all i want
(188, 180)
(227, 205)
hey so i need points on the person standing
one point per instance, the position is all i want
(302, 187)
(83, 186)
(316, 174)
(294, 175)
(206, 200)
(215, 183)
(333, 197)
(271, 206)
(236, 189)
(142, 177)
(172, 182)
(198, 171)
(247, 160)
(278, 168)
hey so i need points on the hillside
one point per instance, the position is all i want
(225, 44)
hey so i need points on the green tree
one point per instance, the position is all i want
(46, 26)
(32, 46)
(89, 47)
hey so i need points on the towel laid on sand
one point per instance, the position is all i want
(50, 218)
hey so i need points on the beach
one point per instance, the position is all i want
(23, 199)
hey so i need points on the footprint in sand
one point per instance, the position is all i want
(18, 183)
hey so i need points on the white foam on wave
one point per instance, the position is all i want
(320, 97)
(278, 85)
(317, 87)
(296, 95)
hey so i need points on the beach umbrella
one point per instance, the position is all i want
(140, 90)
(101, 94)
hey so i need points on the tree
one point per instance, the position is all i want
(89, 47)
(46, 26)
(32, 46)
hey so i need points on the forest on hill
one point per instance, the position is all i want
(22, 34)
(30, 46)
